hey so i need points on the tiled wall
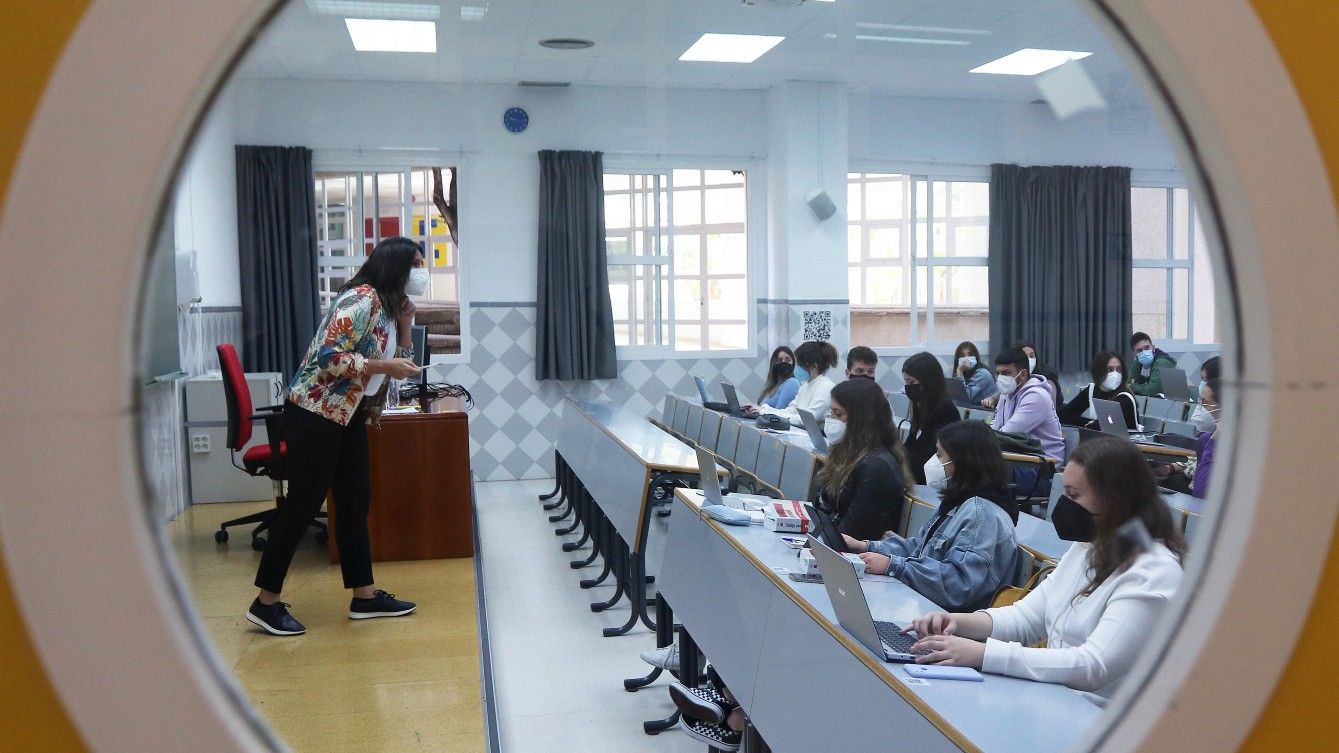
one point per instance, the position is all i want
(198, 331)
(164, 448)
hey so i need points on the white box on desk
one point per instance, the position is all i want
(809, 565)
(784, 516)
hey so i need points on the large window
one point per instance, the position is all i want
(677, 244)
(1172, 280)
(355, 210)
(916, 255)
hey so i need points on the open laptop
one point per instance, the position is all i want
(707, 403)
(957, 391)
(848, 600)
(825, 529)
(732, 400)
(1110, 417)
(812, 426)
(1174, 385)
(711, 487)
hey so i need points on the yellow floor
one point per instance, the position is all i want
(375, 686)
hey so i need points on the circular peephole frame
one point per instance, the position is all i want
(83, 555)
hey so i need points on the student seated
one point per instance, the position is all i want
(863, 484)
(962, 556)
(1025, 407)
(1210, 369)
(781, 386)
(1146, 375)
(1097, 608)
(1191, 476)
(812, 361)
(931, 410)
(975, 375)
(1109, 383)
(861, 362)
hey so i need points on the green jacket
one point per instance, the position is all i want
(1150, 384)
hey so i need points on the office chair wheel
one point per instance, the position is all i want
(220, 536)
(258, 543)
(321, 537)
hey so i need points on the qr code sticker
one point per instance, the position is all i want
(817, 325)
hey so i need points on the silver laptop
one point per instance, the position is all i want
(701, 389)
(815, 431)
(731, 400)
(1174, 385)
(711, 482)
(848, 600)
(1110, 417)
(957, 390)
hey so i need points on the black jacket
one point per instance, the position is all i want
(1072, 412)
(920, 444)
(872, 500)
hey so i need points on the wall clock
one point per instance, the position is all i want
(515, 119)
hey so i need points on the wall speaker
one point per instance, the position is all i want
(821, 204)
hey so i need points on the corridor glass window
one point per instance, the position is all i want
(1172, 281)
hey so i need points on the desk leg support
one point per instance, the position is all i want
(664, 637)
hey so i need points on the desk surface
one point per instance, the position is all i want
(1001, 713)
(650, 444)
(794, 436)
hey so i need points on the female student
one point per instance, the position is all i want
(1109, 383)
(362, 344)
(812, 361)
(976, 376)
(781, 386)
(962, 556)
(1096, 610)
(863, 483)
(931, 409)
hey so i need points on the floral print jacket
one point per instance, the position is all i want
(333, 375)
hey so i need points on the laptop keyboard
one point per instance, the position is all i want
(896, 640)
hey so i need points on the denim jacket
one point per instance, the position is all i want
(971, 555)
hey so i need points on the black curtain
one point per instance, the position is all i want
(276, 238)
(1060, 259)
(574, 328)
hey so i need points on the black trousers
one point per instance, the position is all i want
(322, 456)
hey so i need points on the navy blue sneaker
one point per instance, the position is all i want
(274, 618)
(381, 604)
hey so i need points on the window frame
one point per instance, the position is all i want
(1169, 263)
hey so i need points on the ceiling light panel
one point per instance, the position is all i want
(383, 35)
(730, 48)
(1029, 62)
(368, 9)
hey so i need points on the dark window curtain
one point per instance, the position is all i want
(1060, 258)
(276, 238)
(574, 327)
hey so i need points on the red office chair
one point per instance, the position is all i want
(262, 460)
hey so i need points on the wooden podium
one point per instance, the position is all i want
(421, 506)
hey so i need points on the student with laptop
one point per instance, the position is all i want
(961, 556)
(863, 484)
(1026, 407)
(1109, 383)
(1146, 375)
(861, 362)
(976, 377)
(781, 385)
(813, 359)
(931, 409)
(1096, 609)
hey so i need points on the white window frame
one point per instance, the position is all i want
(1169, 263)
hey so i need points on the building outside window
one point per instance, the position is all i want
(1173, 292)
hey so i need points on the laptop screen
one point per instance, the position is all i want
(701, 389)
(816, 437)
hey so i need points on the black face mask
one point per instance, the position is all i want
(914, 392)
(1073, 522)
(783, 370)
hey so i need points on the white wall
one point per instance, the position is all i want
(205, 212)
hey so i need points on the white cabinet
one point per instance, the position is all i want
(213, 478)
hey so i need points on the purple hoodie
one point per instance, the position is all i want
(1031, 410)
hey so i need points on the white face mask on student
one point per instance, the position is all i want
(935, 474)
(1031, 365)
(1006, 384)
(418, 282)
(1203, 420)
(1112, 381)
(834, 430)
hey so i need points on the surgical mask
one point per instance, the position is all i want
(1144, 357)
(783, 370)
(914, 392)
(834, 429)
(935, 474)
(1112, 381)
(418, 282)
(1031, 365)
(968, 361)
(1006, 384)
(1203, 384)
(1072, 521)
(801, 373)
(1203, 419)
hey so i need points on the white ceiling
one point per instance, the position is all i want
(638, 42)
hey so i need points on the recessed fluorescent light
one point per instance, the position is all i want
(381, 35)
(1029, 62)
(473, 12)
(730, 48)
(912, 40)
(367, 9)
(922, 29)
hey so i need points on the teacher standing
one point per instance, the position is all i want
(341, 384)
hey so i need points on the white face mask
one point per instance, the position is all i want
(1031, 365)
(935, 474)
(1006, 384)
(418, 282)
(834, 430)
(1203, 420)
(1112, 381)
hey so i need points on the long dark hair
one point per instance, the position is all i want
(387, 271)
(964, 349)
(978, 467)
(772, 382)
(869, 426)
(925, 368)
(1098, 371)
(1120, 479)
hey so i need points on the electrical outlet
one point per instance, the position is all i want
(200, 443)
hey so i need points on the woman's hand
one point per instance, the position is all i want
(989, 402)
(749, 410)
(395, 368)
(405, 320)
(855, 545)
(876, 563)
(934, 623)
(950, 650)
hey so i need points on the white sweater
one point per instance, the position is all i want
(1091, 642)
(814, 396)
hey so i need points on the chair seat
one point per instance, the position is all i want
(260, 457)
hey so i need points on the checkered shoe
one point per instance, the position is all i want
(704, 702)
(718, 736)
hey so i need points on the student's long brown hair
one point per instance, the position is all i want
(869, 425)
(1121, 480)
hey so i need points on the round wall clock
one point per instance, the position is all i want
(515, 119)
